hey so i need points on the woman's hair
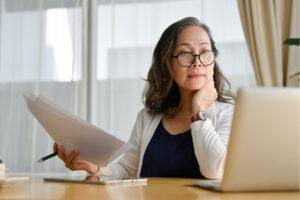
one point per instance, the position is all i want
(161, 94)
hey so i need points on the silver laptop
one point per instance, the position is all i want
(263, 151)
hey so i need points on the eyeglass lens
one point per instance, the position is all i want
(186, 59)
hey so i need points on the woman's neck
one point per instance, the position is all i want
(186, 98)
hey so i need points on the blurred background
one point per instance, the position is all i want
(90, 57)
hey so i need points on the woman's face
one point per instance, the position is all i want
(195, 40)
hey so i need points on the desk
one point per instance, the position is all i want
(157, 188)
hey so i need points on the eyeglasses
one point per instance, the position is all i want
(186, 59)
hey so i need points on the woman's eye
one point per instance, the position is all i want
(205, 50)
(182, 52)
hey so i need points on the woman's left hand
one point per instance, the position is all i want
(204, 97)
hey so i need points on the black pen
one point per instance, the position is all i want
(47, 157)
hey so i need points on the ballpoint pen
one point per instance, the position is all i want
(47, 157)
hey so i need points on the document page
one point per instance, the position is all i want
(67, 129)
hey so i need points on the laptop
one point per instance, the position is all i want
(263, 151)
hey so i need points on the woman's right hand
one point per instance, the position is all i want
(204, 97)
(73, 162)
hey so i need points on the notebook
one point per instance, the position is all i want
(103, 180)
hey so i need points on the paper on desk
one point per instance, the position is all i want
(94, 144)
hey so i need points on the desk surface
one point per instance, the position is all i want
(156, 188)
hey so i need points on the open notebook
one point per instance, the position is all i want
(103, 180)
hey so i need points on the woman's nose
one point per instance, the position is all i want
(197, 61)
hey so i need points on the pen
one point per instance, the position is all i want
(47, 157)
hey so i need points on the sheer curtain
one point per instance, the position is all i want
(40, 52)
(127, 33)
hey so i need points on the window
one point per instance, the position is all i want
(43, 50)
(40, 52)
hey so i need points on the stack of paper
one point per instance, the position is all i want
(94, 144)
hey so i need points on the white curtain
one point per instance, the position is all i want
(90, 57)
(40, 52)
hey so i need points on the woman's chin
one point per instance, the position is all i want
(195, 87)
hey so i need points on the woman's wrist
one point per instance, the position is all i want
(198, 108)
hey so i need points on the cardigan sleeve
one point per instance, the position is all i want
(127, 165)
(210, 140)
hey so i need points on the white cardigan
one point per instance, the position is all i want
(210, 139)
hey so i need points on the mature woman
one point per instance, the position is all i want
(184, 128)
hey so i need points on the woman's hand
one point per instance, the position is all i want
(73, 162)
(204, 97)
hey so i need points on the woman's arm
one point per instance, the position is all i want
(210, 142)
(127, 165)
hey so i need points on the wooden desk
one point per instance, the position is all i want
(157, 188)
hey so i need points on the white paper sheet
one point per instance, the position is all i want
(94, 144)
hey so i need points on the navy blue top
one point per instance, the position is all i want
(170, 155)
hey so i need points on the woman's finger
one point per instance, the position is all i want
(55, 147)
(61, 153)
(82, 165)
(71, 156)
(73, 165)
(212, 83)
(78, 164)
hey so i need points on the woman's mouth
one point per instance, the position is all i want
(196, 75)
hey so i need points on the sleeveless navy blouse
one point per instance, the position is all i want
(170, 155)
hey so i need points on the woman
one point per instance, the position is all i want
(184, 128)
